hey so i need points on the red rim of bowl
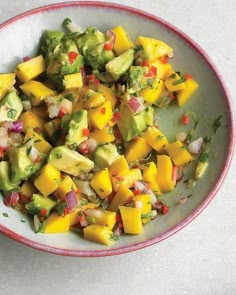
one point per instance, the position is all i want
(197, 211)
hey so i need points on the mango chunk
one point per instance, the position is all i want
(122, 196)
(122, 40)
(92, 99)
(56, 224)
(102, 217)
(178, 153)
(131, 219)
(27, 189)
(137, 149)
(36, 91)
(48, 180)
(74, 216)
(164, 173)
(103, 136)
(99, 234)
(30, 69)
(6, 83)
(133, 176)
(108, 93)
(143, 201)
(149, 172)
(153, 93)
(174, 82)
(30, 119)
(52, 126)
(39, 142)
(100, 116)
(72, 81)
(65, 186)
(118, 169)
(162, 68)
(153, 48)
(183, 95)
(101, 183)
(155, 138)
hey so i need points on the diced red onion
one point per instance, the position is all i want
(135, 105)
(53, 111)
(26, 58)
(146, 190)
(4, 142)
(71, 200)
(118, 231)
(6, 125)
(195, 146)
(111, 37)
(33, 153)
(157, 205)
(182, 200)
(84, 76)
(17, 127)
(84, 222)
(66, 104)
(180, 173)
(181, 136)
(14, 198)
(92, 145)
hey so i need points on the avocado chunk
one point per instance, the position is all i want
(50, 42)
(78, 122)
(131, 125)
(39, 202)
(22, 166)
(5, 182)
(105, 155)
(10, 107)
(120, 64)
(91, 38)
(69, 161)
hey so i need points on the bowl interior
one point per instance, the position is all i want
(21, 38)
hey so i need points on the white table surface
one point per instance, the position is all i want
(198, 260)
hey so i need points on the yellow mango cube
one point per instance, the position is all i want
(162, 68)
(74, 216)
(118, 169)
(133, 176)
(100, 116)
(155, 138)
(178, 153)
(30, 119)
(103, 136)
(143, 201)
(153, 48)
(36, 91)
(52, 126)
(101, 183)
(137, 149)
(27, 189)
(72, 81)
(92, 99)
(131, 219)
(153, 93)
(164, 173)
(30, 69)
(56, 224)
(48, 180)
(65, 186)
(102, 217)
(183, 95)
(122, 196)
(155, 188)
(99, 234)
(108, 93)
(122, 40)
(6, 83)
(174, 82)
(39, 142)
(149, 172)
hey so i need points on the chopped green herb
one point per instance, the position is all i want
(23, 220)
(203, 157)
(11, 113)
(148, 215)
(160, 137)
(58, 156)
(38, 140)
(101, 190)
(177, 82)
(74, 146)
(5, 214)
(172, 76)
(66, 21)
(114, 237)
(217, 123)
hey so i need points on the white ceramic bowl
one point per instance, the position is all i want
(21, 37)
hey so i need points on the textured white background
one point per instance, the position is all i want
(198, 260)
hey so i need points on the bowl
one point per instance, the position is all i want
(21, 36)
